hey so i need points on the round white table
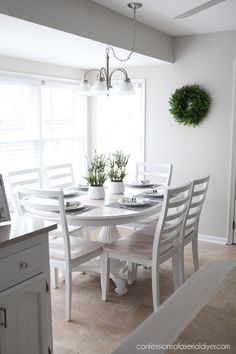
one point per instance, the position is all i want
(108, 217)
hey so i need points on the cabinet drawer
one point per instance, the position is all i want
(22, 265)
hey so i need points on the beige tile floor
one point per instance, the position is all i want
(98, 327)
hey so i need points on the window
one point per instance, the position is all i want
(41, 124)
(120, 124)
(64, 129)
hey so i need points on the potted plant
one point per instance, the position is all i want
(96, 176)
(117, 163)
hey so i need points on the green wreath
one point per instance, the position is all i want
(189, 104)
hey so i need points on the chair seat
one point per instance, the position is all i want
(137, 245)
(79, 247)
(74, 230)
(147, 221)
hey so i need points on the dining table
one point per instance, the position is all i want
(109, 213)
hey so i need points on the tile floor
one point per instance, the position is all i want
(98, 327)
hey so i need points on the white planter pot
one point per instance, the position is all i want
(117, 187)
(96, 192)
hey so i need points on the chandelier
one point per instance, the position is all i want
(102, 84)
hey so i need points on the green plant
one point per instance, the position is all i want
(189, 104)
(117, 163)
(96, 175)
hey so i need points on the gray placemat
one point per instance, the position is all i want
(155, 199)
(134, 208)
(154, 185)
(80, 211)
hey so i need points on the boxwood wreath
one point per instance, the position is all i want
(189, 104)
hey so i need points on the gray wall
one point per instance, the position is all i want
(206, 60)
(88, 19)
(34, 68)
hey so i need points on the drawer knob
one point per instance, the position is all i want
(24, 265)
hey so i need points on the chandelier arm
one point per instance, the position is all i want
(119, 69)
(88, 71)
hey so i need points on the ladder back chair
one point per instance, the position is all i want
(162, 173)
(59, 176)
(31, 178)
(191, 224)
(137, 248)
(66, 252)
(157, 172)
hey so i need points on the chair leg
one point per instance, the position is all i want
(68, 290)
(105, 275)
(54, 274)
(195, 252)
(155, 287)
(175, 270)
(181, 266)
(132, 270)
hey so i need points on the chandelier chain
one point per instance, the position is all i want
(133, 43)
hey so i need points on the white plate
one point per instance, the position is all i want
(69, 192)
(134, 201)
(154, 193)
(74, 206)
(144, 184)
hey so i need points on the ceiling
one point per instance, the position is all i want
(18, 37)
(160, 14)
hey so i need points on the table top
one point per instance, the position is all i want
(102, 214)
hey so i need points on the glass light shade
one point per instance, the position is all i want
(126, 88)
(99, 87)
(85, 87)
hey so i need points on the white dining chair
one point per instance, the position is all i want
(66, 252)
(160, 173)
(191, 223)
(31, 178)
(59, 176)
(137, 248)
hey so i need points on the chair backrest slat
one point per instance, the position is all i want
(59, 176)
(157, 172)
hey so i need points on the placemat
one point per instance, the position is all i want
(139, 186)
(134, 208)
(157, 199)
(80, 211)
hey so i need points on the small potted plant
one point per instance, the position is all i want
(96, 176)
(117, 163)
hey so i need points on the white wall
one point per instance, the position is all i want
(206, 60)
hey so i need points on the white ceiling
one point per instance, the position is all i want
(26, 40)
(160, 14)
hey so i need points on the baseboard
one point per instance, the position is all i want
(210, 238)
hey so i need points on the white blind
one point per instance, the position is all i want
(41, 125)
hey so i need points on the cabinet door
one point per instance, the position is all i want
(24, 318)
